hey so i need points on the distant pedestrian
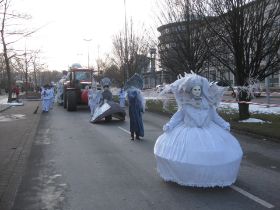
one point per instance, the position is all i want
(46, 98)
(136, 108)
(17, 93)
(122, 97)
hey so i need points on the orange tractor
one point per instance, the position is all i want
(74, 88)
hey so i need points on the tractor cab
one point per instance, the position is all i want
(75, 84)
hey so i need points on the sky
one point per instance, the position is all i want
(67, 23)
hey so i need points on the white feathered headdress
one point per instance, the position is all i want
(182, 87)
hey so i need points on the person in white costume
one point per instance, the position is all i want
(52, 95)
(196, 148)
(46, 98)
(94, 97)
(122, 96)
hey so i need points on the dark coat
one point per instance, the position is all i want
(135, 113)
(107, 94)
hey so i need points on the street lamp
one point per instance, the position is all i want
(98, 59)
(126, 52)
(88, 40)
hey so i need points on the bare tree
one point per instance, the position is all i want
(129, 51)
(47, 76)
(107, 68)
(4, 6)
(182, 42)
(112, 71)
(10, 22)
(249, 36)
(12, 31)
(37, 66)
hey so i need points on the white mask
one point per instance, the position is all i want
(196, 91)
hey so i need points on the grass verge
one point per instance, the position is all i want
(269, 129)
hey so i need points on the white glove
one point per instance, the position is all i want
(227, 128)
(166, 128)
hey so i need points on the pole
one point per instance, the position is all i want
(88, 58)
(26, 68)
(88, 40)
(98, 60)
(267, 91)
(126, 52)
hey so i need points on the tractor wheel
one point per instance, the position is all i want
(71, 101)
(65, 100)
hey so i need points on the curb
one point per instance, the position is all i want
(257, 136)
(5, 108)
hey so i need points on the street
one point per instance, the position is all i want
(76, 165)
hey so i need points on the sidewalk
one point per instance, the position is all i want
(18, 126)
(3, 103)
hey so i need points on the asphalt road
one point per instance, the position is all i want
(76, 165)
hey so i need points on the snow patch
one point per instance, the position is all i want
(254, 120)
(252, 108)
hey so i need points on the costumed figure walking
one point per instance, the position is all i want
(94, 97)
(46, 98)
(107, 108)
(122, 96)
(59, 94)
(136, 106)
(106, 94)
(196, 148)
(52, 95)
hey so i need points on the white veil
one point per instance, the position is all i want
(181, 89)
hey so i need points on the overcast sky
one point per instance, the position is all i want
(69, 22)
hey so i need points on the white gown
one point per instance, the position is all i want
(198, 150)
(93, 100)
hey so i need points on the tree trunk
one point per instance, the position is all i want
(243, 111)
(8, 68)
(243, 106)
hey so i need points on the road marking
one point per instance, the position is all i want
(253, 197)
(238, 189)
(124, 130)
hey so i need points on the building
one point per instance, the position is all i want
(169, 42)
(153, 77)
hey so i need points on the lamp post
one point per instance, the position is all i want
(125, 50)
(98, 59)
(88, 40)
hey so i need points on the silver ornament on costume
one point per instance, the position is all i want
(105, 82)
(135, 81)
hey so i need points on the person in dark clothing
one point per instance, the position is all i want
(17, 93)
(107, 94)
(135, 113)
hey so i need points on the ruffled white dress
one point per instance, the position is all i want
(197, 149)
